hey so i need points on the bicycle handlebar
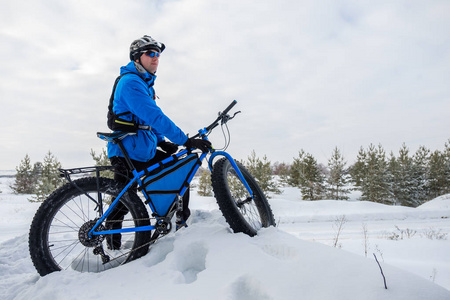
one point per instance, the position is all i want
(221, 116)
(229, 107)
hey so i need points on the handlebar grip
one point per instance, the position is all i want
(229, 107)
(221, 115)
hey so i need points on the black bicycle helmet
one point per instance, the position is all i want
(144, 44)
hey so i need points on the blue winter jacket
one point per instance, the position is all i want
(135, 94)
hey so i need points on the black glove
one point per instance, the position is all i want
(168, 147)
(200, 144)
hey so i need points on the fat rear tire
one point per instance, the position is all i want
(56, 239)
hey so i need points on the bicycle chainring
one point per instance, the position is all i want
(163, 226)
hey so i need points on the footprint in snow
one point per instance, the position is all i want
(282, 252)
(248, 288)
(192, 262)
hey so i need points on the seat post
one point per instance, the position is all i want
(125, 155)
(116, 138)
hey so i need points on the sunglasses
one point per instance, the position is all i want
(152, 54)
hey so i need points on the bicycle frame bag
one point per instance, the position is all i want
(162, 185)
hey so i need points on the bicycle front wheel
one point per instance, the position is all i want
(242, 212)
(59, 236)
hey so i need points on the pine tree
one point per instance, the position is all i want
(25, 181)
(50, 178)
(437, 174)
(307, 175)
(295, 173)
(403, 179)
(314, 189)
(374, 185)
(359, 168)
(261, 170)
(102, 160)
(37, 171)
(204, 185)
(337, 179)
(420, 175)
(446, 155)
(393, 175)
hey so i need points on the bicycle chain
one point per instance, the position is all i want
(114, 221)
(126, 253)
(134, 249)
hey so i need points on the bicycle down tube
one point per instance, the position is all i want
(138, 175)
(137, 178)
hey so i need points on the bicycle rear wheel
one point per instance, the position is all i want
(242, 212)
(59, 237)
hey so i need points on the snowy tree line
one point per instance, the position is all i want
(42, 178)
(39, 179)
(408, 179)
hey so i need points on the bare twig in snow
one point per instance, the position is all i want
(382, 274)
(366, 237)
(339, 225)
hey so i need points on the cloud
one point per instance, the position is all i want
(307, 75)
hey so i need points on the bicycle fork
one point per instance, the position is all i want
(235, 167)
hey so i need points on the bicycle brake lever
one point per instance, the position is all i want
(226, 118)
(235, 114)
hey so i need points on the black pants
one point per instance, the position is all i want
(124, 174)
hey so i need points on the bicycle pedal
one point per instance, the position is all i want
(180, 225)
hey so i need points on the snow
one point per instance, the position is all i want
(295, 260)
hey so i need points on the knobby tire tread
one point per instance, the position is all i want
(38, 236)
(227, 204)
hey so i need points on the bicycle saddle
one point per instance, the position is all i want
(114, 137)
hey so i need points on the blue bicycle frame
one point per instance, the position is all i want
(203, 133)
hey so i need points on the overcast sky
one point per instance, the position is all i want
(311, 75)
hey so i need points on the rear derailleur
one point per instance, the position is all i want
(98, 250)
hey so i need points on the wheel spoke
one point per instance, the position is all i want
(59, 235)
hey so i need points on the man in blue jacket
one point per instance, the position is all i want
(135, 103)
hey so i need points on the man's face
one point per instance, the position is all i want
(150, 63)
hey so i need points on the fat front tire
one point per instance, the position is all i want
(242, 212)
(58, 238)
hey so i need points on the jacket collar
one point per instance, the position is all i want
(139, 70)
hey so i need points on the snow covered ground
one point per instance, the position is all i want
(296, 260)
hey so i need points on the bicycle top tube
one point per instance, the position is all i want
(161, 163)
